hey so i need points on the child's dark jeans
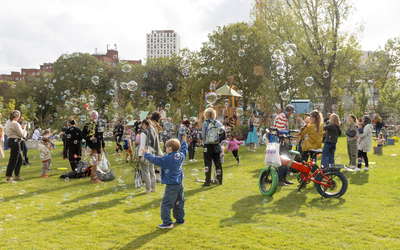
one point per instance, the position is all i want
(173, 199)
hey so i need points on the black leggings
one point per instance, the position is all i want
(235, 153)
(209, 157)
(191, 150)
(15, 161)
(65, 149)
(74, 151)
(118, 139)
(361, 155)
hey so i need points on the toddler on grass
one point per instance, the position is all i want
(45, 156)
(172, 176)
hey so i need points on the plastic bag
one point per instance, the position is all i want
(272, 157)
(103, 176)
(103, 165)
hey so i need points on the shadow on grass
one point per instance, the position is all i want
(358, 178)
(158, 201)
(145, 238)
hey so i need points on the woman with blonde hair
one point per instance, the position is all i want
(93, 135)
(333, 131)
(312, 134)
(212, 148)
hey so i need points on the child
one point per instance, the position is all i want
(233, 145)
(380, 140)
(128, 147)
(47, 134)
(138, 137)
(45, 156)
(385, 133)
(259, 138)
(172, 176)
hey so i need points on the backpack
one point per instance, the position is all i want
(212, 136)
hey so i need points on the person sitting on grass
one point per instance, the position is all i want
(172, 176)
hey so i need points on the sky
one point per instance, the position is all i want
(33, 32)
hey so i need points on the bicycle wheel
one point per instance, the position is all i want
(268, 181)
(338, 187)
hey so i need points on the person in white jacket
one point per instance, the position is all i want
(365, 143)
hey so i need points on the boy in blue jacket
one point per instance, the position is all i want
(172, 176)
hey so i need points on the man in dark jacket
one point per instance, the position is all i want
(118, 132)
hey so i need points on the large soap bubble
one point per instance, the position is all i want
(211, 97)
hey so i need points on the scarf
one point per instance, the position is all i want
(158, 127)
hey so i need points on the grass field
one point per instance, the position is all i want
(230, 216)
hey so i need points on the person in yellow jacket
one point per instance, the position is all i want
(312, 134)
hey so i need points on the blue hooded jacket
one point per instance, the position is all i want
(171, 168)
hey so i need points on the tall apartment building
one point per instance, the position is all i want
(162, 43)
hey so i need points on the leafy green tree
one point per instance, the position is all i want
(362, 98)
(390, 97)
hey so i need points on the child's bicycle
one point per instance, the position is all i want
(329, 181)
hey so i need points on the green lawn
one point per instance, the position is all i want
(231, 216)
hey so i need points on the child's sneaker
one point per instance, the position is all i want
(357, 169)
(45, 175)
(366, 169)
(183, 223)
(162, 226)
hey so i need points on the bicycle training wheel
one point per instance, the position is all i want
(268, 181)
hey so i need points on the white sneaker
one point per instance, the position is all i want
(194, 160)
(190, 160)
(357, 169)
(366, 169)
(153, 190)
(352, 166)
(147, 191)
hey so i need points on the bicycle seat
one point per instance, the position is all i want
(315, 151)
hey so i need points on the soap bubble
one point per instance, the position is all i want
(193, 119)
(177, 156)
(167, 106)
(265, 202)
(278, 53)
(111, 92)
(309, 81)
(230, 175)
(218, 171)
(206, 169)
(132, 85)
(126, 68)
(67, 104)
(143, 94)
(280, 70)
(32, 203)
(194, 172)
(212, 86)
(351, 61)
(129, 118)
(234, 37)
(94, 213)
(211, 98)
(326, 74)
(185, 71)
(285, 95)
(100, 70)
(95, 200)
(273, 25)
(150, 98)
(169, 86)
(221, 130)
(8, 217)
(182, 130)
(279, 64)
(28, 106)
(76, 110)
(83, 118)
(21, 192)
(124, 85)
(66, 179)
(242, 37)
(239, 111)
(291, 49)
(204, 70)
(145, 75)
(241, 52)
(237, 3)
(66, 197)
(40, 206)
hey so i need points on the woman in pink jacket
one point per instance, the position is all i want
(233, 145)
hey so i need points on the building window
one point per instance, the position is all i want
(109, 63)
(114, 64)
(17, 78)
(24, 73)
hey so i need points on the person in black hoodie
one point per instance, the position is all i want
(118, 132)
(333, 131)
(64, 139)
(74, 144)
(93, 134)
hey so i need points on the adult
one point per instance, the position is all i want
(252, 137)
(137, 124)
(15, 132)
(155, 119)
(74, 144)
(193, 137)
(24, 148)
(64, 130)
(333, 131)
(362, 117)
(168, 128)
(311, 134)
(36, 133)
(95, 141)
(5, 137)
(118, 133)
(226, 122)
(378, 124)
(1, 139)
(148, 140)
(211, 152)
(281, 123)
(351, 136)
(364, 146)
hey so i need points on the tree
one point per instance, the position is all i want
(326, 51)
(390, 97)
(362, 98)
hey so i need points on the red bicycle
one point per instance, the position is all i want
(330, 182)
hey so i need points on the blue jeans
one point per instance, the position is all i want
(173, 199)
(282, 172)
(328, 154)
(5, 142)
(377, 131)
